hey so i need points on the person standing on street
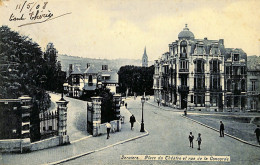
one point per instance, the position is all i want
(191, 137)
(126, 105)
(257, 133)
(108, 125)
(199, 141)
(221, 130)
(132, 121)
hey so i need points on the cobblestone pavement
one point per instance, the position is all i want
(76, 109)
(168, 135)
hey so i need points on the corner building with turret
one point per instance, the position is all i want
(201, 74)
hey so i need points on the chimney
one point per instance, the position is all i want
(88, 65)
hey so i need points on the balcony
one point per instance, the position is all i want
(183, 88)
(237, 92)
(183, 55)
(215, 89)
(199, 89)
(184, 70)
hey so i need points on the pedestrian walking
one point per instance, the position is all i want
(221, 129)
(199, 141)
(108, 125)
(132, 121)
(126, 105)
(158, 101)
(257, 133)
(191, 137)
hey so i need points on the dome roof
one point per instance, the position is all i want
(186, 33)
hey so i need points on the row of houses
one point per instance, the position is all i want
(201, 74)
(83, 80)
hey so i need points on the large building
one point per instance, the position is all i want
(201, 74)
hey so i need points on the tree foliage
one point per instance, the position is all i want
(136, 79)
(24, 71)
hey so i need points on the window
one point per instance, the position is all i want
(236, 57)
(90, 79)
(253, 85)
(243, 85)
(253, 105)
(199, 99)
(213, 99)
(199, 66)
(228, 70)
(214, 66)
(214, 81)
(191, 98)
(199, 82)
(183, 47)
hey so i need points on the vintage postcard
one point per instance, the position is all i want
(129, 82)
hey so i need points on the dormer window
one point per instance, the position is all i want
(236, 57)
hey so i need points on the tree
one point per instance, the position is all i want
(136, 79)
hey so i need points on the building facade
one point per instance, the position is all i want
(192, 75)
(253, 88)
(80, 82)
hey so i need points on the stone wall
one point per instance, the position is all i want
(15, 145)
(24, 145)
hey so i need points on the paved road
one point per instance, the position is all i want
(168, 135)
(76, 122)
(81, 143)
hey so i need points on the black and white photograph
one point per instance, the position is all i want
(130, 82)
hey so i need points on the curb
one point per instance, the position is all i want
(236, 138)
(93, 151)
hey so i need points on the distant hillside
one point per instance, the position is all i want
(117, 63)
(112, 64)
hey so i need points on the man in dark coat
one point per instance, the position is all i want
(221, 130)
(132, 121)
(191, 137)
(257, 133)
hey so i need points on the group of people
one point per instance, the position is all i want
(132, 121)
(191, 137)
(199, 140)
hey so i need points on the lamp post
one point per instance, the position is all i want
(142, 123)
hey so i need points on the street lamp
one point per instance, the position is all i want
(142, 124)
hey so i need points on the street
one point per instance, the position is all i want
(168, 135)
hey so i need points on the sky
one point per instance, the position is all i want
(110, 29)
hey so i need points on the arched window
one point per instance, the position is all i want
(183, 47)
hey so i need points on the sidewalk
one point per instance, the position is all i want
(77, 149)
